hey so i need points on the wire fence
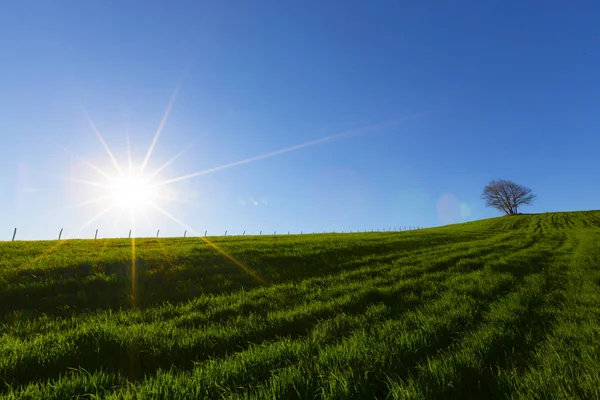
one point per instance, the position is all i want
(403, 228)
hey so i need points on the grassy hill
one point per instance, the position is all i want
(502, 308)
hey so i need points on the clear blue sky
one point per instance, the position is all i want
(478, 90)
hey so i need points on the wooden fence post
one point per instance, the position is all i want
(14, 234)
(184, 233)
(60, 233)
(130, 234)
(205, 233)
(225, 233)
(157, 232)
(244, 234)
(96, 235)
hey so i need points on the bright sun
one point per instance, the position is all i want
(133, 193)
(137, 191)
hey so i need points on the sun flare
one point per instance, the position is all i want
(129, 192)
(131, 189)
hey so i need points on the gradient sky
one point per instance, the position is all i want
(472, 91)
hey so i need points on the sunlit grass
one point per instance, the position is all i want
(502, 308)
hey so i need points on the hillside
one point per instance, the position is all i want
(500, 308)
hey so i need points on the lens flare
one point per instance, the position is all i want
(134, 191)
(129, 192)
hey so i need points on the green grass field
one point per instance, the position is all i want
(501, 308)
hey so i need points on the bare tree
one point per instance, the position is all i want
(506, 196)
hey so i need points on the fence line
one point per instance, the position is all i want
(395, 229)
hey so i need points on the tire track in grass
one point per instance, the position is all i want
(91, 341)
(506, 339)
(382, 392)
(111, 346)
(262, 363)
(566, 364)
(346, 277)
(15, 293)
(233, 384)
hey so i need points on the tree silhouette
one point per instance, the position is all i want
(506, 196)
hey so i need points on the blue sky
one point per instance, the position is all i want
(474, 91)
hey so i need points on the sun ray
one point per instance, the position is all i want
(88, 202)
(46, 253)
(133, 295)
(246, 269)
(89, 164)
(119, 216)
(291, 148)
(91, 183)
(80, 204)
(87, 223)
(171, 161)
(145, 215)
(129, 166)
(132, 221)
(104, 144)
(176, 200)
(133, 270)
(94, 218)
(160, 127)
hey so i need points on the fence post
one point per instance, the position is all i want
(184, 233)
(14, 234)
(60, 233)
(244, 234)
(130, 234)
(96, 235)
(225, 233)
(205, 233)
(157, 232)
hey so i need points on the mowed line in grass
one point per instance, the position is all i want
(102, 291)
(266, 352)
(353, 379)
(505, 339)
(324, 310)
(217, 307)
(565, 364)
(279, 329)
(489, 297)
(395, 343)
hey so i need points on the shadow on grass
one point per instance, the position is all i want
(99, 350)
(90, 286)
(515, 349)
